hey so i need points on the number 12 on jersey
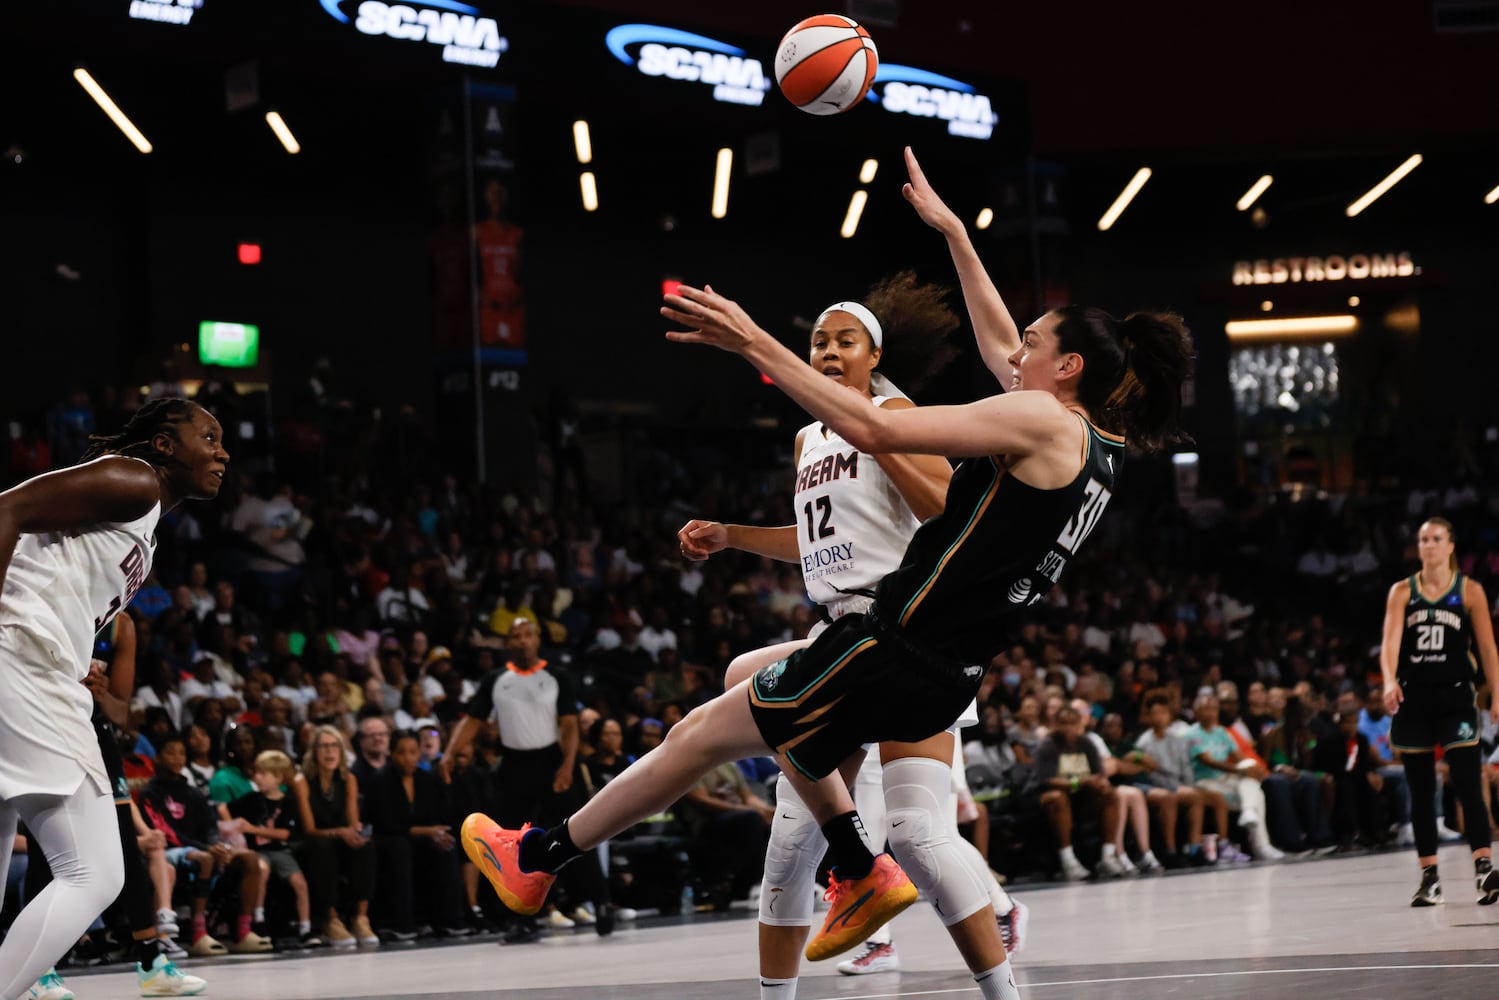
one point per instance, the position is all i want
(823, 529)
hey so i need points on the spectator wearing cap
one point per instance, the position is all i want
(438, 661)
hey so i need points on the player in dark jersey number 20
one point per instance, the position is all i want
(1434, 622)
(1040, 465)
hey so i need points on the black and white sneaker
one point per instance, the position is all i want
(1013, 925)
(1430, 891)
(1487, 880)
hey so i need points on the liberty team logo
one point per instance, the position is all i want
(767, 679)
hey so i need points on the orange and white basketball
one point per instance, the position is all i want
(826, 63)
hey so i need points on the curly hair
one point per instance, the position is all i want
(918, 324)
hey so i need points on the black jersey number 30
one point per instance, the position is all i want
(823, 528)
(1095, 499)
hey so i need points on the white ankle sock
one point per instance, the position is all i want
(997, 983)
(304, 926)
(1109, 851)
(777, 989)
(259, 915)
(1067, 856)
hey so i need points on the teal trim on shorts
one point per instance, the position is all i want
(797, 764)
(755, 681)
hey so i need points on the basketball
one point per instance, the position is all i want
(825, 64)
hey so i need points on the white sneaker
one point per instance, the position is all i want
(1229, 853)
(1447, 835)
(877, 957)
(163, 980)
(1148, 864)
(583, 918)
(166, 922)
(1110, 866)
(1405, 836)
(171, 948)
(625, 914)
(1073, 870)
(557, 920)
(49, 987)
(1266, 851)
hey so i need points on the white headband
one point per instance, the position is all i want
(863, 315)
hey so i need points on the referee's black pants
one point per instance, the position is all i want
(523, 786)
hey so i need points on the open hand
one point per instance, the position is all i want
(710, 319)
(700, 539)
(931, 209)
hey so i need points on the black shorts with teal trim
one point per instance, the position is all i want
(1431, 716)
(862, 681)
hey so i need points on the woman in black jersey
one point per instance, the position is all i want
(1434, 623)
(1041, 463)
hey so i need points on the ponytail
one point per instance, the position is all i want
(1157, 362)
(1133, 370)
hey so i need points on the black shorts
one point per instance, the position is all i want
(1445, 716)
(861, 681)
(114, 762)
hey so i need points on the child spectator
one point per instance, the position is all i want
(172, 805)
(269, 821)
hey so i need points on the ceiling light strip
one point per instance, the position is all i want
(1379, 189)
(111, 109)
(1125, 197)
(1253, 194)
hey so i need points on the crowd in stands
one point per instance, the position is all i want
(1200, 690)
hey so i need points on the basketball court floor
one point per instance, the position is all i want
(1322, 929)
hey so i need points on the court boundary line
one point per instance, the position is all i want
(1182, 975)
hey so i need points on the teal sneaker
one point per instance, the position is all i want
(50, 987)
(163, 980)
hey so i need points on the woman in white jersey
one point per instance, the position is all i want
(856, 514)
(75, 546)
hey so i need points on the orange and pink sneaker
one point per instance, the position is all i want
(495, 851)
(859, 907)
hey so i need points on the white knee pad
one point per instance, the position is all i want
(796, 849)
(921, 838)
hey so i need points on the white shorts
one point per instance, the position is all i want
(47, 740)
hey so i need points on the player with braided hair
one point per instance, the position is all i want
(75, 545)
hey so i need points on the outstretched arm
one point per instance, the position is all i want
(993, 327)
(699, 539)
(1016, 424)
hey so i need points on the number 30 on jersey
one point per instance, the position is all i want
(1095, 499)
